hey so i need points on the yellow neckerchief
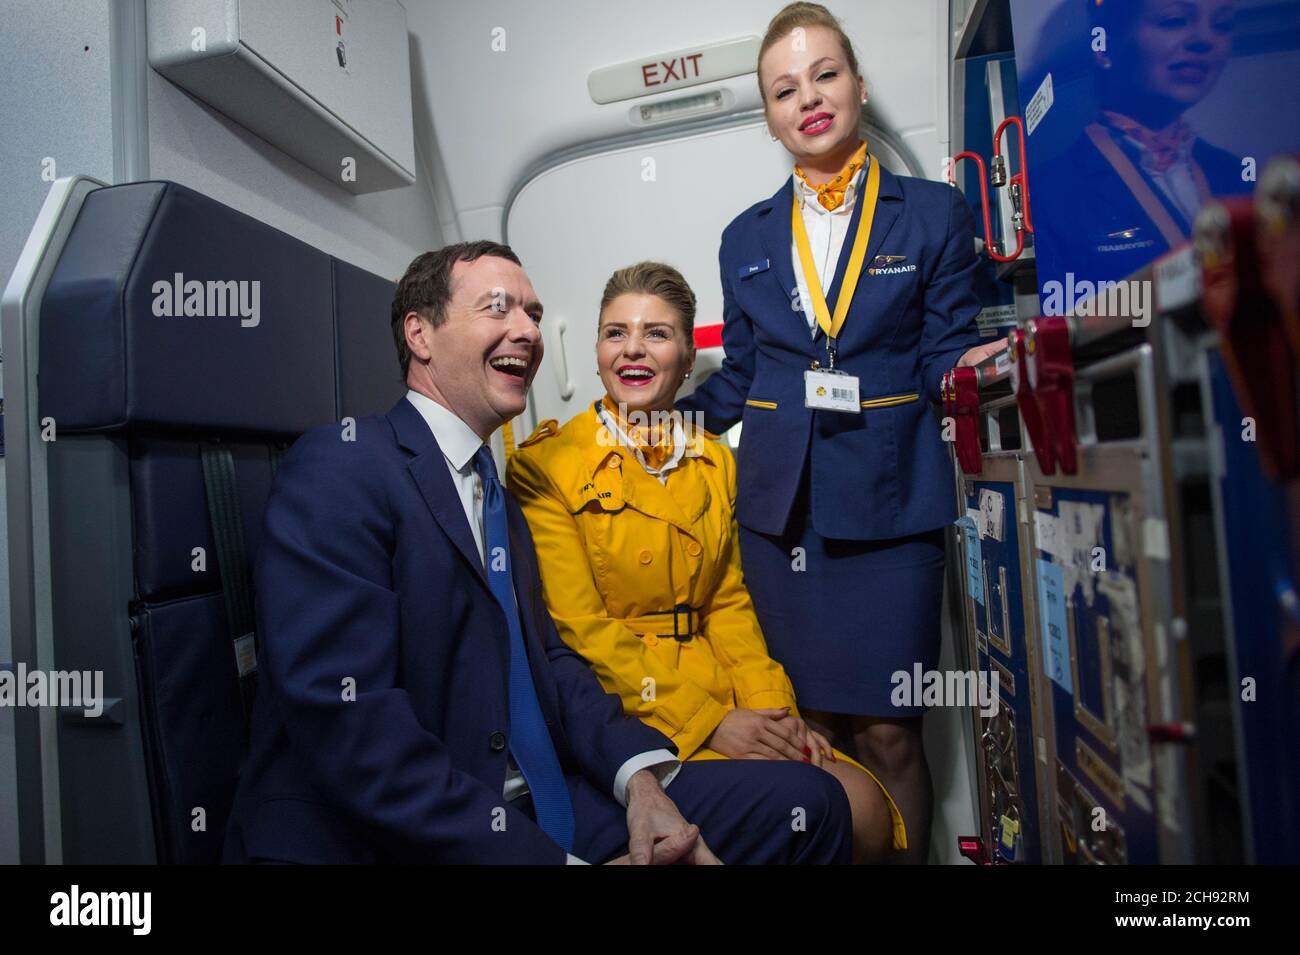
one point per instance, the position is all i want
(831, 194)
(850, 283)
(654, 443)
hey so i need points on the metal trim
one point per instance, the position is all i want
(40, 833)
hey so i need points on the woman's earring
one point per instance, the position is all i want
(770, 136)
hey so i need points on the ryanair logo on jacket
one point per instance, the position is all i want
(885, 265)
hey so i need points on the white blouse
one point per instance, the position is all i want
(826, 233)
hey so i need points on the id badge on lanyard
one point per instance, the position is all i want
(829, 389)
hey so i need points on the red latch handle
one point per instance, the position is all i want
(1254, 341)
(961, 402)
(1028, 404)
(1051, 376)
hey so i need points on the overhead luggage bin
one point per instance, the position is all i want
(340, 105)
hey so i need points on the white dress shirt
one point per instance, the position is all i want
(826, 232)
(459, 444)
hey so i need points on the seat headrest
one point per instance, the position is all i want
(169, 309)
(370, 378)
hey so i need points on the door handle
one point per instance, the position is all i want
(567, 387)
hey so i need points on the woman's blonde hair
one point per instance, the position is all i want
(655, 278)
(795, 15)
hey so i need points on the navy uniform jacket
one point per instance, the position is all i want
(1093, 225)
(368, 575)
(883, 473)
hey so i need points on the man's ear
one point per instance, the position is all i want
(417, 331)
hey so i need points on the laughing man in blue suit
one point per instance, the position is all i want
(416, 703)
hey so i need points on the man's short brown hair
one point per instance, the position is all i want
(426, 287)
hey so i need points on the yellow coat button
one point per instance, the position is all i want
(615, 461)
(645, 557)
(651, 640)
(693, 548)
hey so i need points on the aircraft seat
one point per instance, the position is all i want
(183, 347)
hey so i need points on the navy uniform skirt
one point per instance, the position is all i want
(855, 614)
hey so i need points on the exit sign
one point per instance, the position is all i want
(679, 69)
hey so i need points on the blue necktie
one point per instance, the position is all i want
(530, 742)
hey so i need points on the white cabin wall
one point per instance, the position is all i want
(56, 102)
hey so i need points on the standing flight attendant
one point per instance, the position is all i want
(844, 483)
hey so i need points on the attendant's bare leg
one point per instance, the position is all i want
(894, 751)
(873, 827)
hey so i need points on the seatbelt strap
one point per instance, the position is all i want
(276, 453)
(236, 586)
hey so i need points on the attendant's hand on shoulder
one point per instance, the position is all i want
(657, 833)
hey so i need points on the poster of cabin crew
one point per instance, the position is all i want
(1138, 111)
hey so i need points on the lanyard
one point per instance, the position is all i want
(679, 444)
(1129, 175)
(831, 326)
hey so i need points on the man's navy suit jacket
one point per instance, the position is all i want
(381, 726)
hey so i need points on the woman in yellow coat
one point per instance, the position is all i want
(632, 514)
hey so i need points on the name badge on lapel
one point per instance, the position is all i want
(745, 271)
(829, 390)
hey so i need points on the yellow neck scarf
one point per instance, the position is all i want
(654, 443)
(831, 194)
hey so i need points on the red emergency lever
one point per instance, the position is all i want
(961, 403)
(1030, 413)
(1019, 182)
(983, 174)
(1051, 377)
(1254, 342)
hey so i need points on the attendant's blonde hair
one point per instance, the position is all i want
(795, 15)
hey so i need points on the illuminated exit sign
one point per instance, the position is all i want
(662, 72)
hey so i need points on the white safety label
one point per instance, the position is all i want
(1038, 106)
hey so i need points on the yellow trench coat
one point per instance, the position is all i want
(617, 548)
